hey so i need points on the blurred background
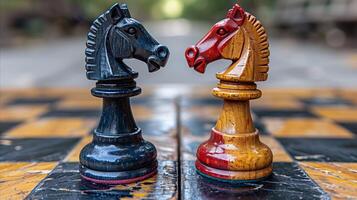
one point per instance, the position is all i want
(313, 42)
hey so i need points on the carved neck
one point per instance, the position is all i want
(117, 117)
(235, 118)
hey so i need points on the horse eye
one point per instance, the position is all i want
(131, 31)
(221, 31)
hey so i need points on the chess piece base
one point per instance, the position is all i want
(118, 154)
(116, 178)
(233, 176)
(234, 158)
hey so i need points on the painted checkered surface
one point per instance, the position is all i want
(312, 134)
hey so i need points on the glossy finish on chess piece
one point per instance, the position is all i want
(234, 152)
(118, 154)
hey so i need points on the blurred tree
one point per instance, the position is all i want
(46, 17)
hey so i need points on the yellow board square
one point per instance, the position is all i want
(343, 114)
(19, 179)
(139, 112)
(70, 103)
(73, 156)
(305, 127)
(202, 112)
(4, 98)
(299, 92)
(14, 113)
(348, 94)
(277, 103)
(52, 127)
(337, 179)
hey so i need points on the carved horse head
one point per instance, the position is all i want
(115, 36)
(239, 37)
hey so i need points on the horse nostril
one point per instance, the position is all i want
(162, 52)
(191, 52)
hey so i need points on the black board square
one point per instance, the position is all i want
(199, 127)
(7, 125)
(261, 127)
(82, 113)
(34, 101)
(150, 101)
(325, 102)
(288, 181)
(202, 127)
(156, 127)
(283, 113)
(321, 149)
(64, 182)
(35, 150)
(190, 146)
(350, 126)
(188, 102)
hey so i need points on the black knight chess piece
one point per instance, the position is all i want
(118, 154)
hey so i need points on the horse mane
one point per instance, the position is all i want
(260, 46)
(94, 43)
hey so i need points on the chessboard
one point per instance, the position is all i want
(312, 133)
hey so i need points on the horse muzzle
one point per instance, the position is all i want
(158, 59)
(194, 60)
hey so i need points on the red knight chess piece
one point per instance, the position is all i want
(234, 152)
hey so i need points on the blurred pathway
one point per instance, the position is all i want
(61, 63)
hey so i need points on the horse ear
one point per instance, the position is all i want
(125, 11)
(115, 13)
(237, 14)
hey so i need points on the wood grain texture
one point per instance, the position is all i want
(288, 181)
(305, 127)
(234, 151)
(234, 144)
(338, 113)
(235, 118)
(64, 182)
(249, 49)
(19, 179)
(338, 179)
(279, 153)
(21, 112)
(53, 127)
(280, 102)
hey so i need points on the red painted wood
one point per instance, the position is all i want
(119, 182)
(209, 48)
(212, 152)
(213, 172)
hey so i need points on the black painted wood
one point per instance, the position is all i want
(36, 149)
(283, 113)
(321, 149)
(65, 183)
(63, 113)
(288, 181)
(118, 152)
(34, 101)
(7, 125)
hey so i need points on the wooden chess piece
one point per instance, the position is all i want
(234, 152)
(118, 154)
